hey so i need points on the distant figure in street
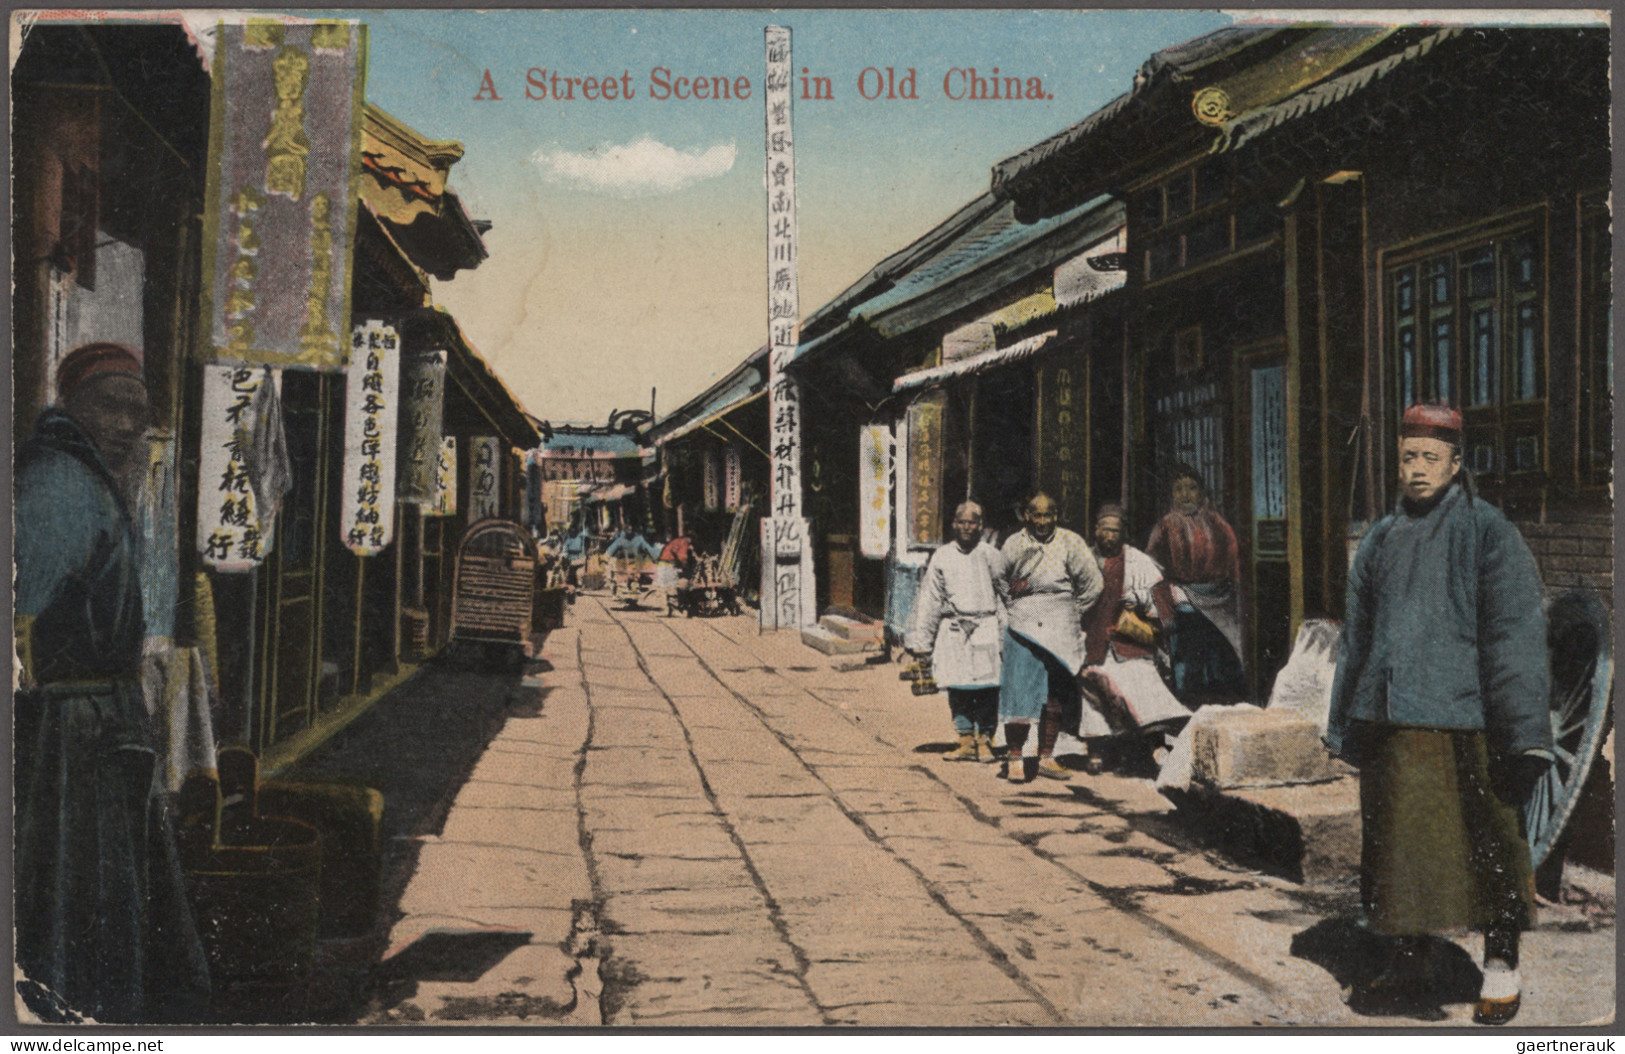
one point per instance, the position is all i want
(1441, 699)
(575, 555)
(1123, 691)
(1052, 580)
(675, 569)
(623, 546)
(1197, 551)
(102, 921)
(959, 620)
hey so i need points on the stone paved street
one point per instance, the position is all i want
(687, 822)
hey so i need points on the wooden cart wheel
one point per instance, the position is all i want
(1578, 638)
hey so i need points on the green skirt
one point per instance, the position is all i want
(1441, 850)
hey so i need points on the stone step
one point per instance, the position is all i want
(852, 629)
(823, 640)
(1309, 831)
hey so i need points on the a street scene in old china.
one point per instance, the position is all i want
(954, 519)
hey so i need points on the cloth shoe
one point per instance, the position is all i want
(984, 749)
(1049, 768)
(1500, 995)
(966, 751)
(1017, 771)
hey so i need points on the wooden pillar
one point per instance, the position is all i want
(1294, 426)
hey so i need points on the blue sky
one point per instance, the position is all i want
(628, 241)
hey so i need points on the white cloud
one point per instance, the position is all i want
(641, 168)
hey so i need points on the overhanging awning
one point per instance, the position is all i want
(1023, 312)
(710, 418)
(988, 360)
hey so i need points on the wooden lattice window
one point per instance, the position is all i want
(1466, 327)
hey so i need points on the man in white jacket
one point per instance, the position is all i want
(959, 621)
(1053, 581)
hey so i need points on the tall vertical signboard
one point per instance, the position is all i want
(371, 421)
(485, 478)
(788, 594)
(283, 179)
(279, 221)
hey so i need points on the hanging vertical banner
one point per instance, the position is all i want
(731, 473)
(874, 490)
(283, 178)
(925, 470)
(712, 497)
(229, 533)
(1063, 429)
(444, 500)
(787, 578)
(485, 478)
(371, 417)
(423, 403)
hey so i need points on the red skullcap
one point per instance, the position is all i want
(92, 360)
(1432, 421)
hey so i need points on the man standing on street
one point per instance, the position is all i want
(959, 621)
(1053, 580)
(101, 915)
(1441, 701)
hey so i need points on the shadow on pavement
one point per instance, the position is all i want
(459, 956)
(417, 745)
(1355, 957)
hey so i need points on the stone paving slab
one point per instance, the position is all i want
(527, 828)
(847, 984)
(734, 911)
(634, 873)
(522, 770)
(483, 794)
(458, 875)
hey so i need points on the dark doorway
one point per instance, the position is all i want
(1002, 446)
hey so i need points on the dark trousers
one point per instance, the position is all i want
(974, 710)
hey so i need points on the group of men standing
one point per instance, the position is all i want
(1046, 631)
(1440, 698)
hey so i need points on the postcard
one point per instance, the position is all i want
(812, 519)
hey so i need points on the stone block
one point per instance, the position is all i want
(1262, 748)
(821, 639)
(1309, 832)
(851, 628)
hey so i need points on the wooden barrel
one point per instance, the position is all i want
(255, 887)
(257, 908)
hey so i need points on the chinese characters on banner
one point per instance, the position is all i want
(283, 178)
(423, 402)
(1063, 426)
(371, 413)
(485, 478)
(731, 470)
(229, 534)
(925, 471)
(444, 500)
(874, 490)
(787, 587)
(712, 497)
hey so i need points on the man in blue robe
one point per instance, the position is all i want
(1441, 699)
(103, 927)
